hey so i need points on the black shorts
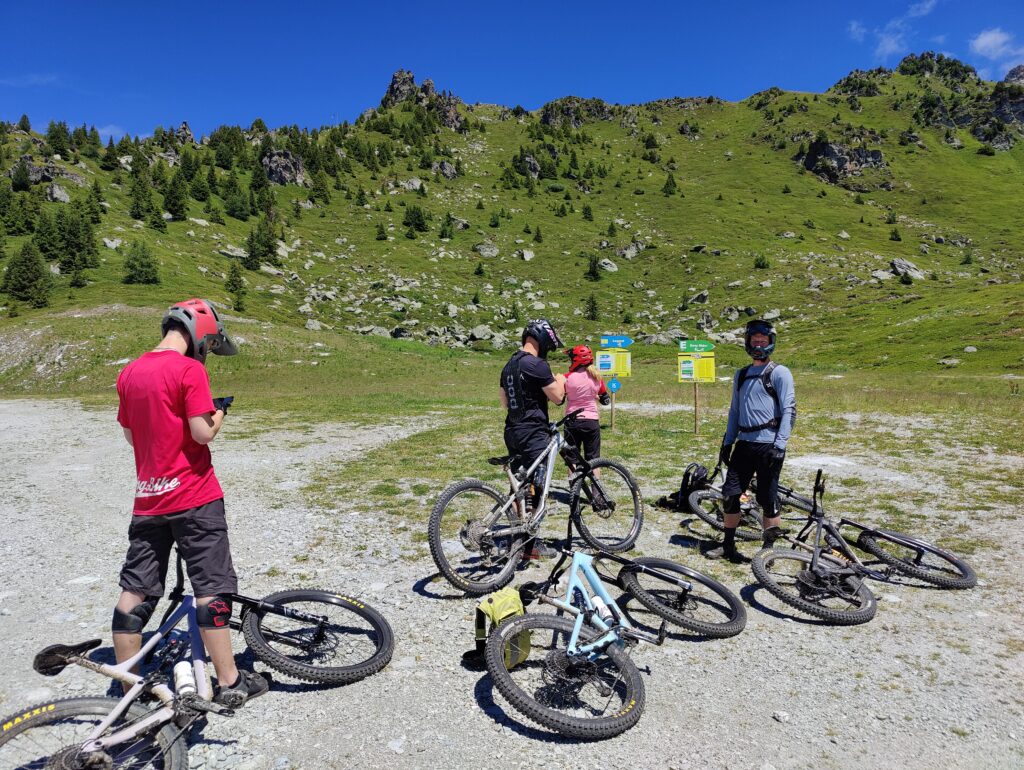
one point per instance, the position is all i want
(526, 441)
(201, 535)
(749, 458)
(585, 435)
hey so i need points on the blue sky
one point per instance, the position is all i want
(130, 66)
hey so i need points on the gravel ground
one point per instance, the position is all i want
(933, 681)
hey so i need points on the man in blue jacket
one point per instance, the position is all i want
(761, 418)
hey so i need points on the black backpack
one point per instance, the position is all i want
(695, 477)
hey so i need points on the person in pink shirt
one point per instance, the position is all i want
(584, 389)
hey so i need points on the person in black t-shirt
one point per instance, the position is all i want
(527, 385)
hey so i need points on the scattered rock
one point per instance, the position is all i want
(444, 168)
(844, 235)
(970, 349)
(48, 172)
(834, 162)
(313, 325)
(57, 194)
(481, 332)
(486, 249)
(787, 234)
(699, 298)
(525, 254)
(607, 264)
(950, 362)
(234, 251)
(270, 270)
(903, 267)
(881, 275)
(771, 315)
(112, 243)
(780, 716)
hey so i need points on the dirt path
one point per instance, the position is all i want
(934, 681)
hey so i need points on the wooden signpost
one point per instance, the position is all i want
(695, 363)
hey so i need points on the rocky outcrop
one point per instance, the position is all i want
(284, 167)
(444, 105)
(184, 134)
(1015, 76)
(486, 249)
(835, 162)
(48, 172)
(574, 111)
(402, 87)
(57, 194)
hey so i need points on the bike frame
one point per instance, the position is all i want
(122, 672)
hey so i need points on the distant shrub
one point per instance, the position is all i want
(906, 280)
(986, 149)
(894, 235)
(139, 265)
(786, 189)
(761, 262)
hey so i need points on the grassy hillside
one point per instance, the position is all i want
(744, 197)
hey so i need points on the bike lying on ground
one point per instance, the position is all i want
(315, 635)
(477, 534)
(575, 676)
(706, 502)
(824, 578)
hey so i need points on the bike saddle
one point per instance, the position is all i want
(52, 660)
(499, 460)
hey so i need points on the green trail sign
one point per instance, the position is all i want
(695, 346)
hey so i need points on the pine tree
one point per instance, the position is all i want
(593, 268)
(24, 124)
(612, 230)
(537, 236)
(46, 237)
(156, 220)
(296, 209)
(479, 269)
(109, 160)
(590, 311)
(211, 179)
(200, 188)
(176, 197)
(360, 197)
(381, 233)
(27, 278)
(141, 194)
(139, 265)
(236, 286)
(20, 179)
(494, 221)
(588, 213)
(669, 188)
(260, 245)
(58, 137)
(321, 191)
(3, 240)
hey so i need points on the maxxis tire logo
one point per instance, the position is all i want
(15, 721)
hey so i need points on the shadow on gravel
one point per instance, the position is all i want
(422, 586)
(483, 691)
(749, 594)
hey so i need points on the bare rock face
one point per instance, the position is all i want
(1015, 77)
(402, 86)
(444, 168)
(834, 162)
(283, 167)
(48, 172)
(184, 134)
(57, 194)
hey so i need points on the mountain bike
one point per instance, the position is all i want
(826, 579)
(477, 534)
(575, 676)
(707, 504)
(314, 635)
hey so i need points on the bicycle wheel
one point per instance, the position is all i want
(707, 505)
(347, 642)
(918, 558)
(838, 598)
(468, 543)
(585, 699)
(708, 608)
(606, 505)
(49, 735)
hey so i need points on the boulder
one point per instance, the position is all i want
(730, 313)
(400, 332)
(699, 298)
(481, 332)
(787, 234)
(270, 270)
(460, 224)
(57, 194)
(284, 167)
(453, 310)
(771, 315)
(499, 342)
(706, 323)
(200, 222)
(844, 235)
(184, 134)
(313, 325)
(531, 166)
(902, 267)
(112, 243)
(444, 168)
(234, 251)
(525, 254)
(486, 249)
(1015, 76)
(607, 264)
(949, 362)
(881, 275)
(630, 250)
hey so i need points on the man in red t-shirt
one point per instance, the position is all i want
(169, 418)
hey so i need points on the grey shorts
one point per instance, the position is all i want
(201, 535)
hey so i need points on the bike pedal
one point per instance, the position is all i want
(662, 632)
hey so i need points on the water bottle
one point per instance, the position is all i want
(184, 679)
(603, 610)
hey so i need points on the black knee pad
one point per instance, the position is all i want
(214, 614)
(732, 504)
(133, 622)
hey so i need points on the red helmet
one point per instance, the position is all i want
(204, 327)
(580, 356)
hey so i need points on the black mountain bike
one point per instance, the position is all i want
(824, 577)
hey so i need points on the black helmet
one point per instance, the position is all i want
(761, 352)
(542, 331)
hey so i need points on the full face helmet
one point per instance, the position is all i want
(759, 352)
(542, 331)
(580, 357)
(205, 330)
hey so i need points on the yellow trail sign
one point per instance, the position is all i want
(695, 367)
